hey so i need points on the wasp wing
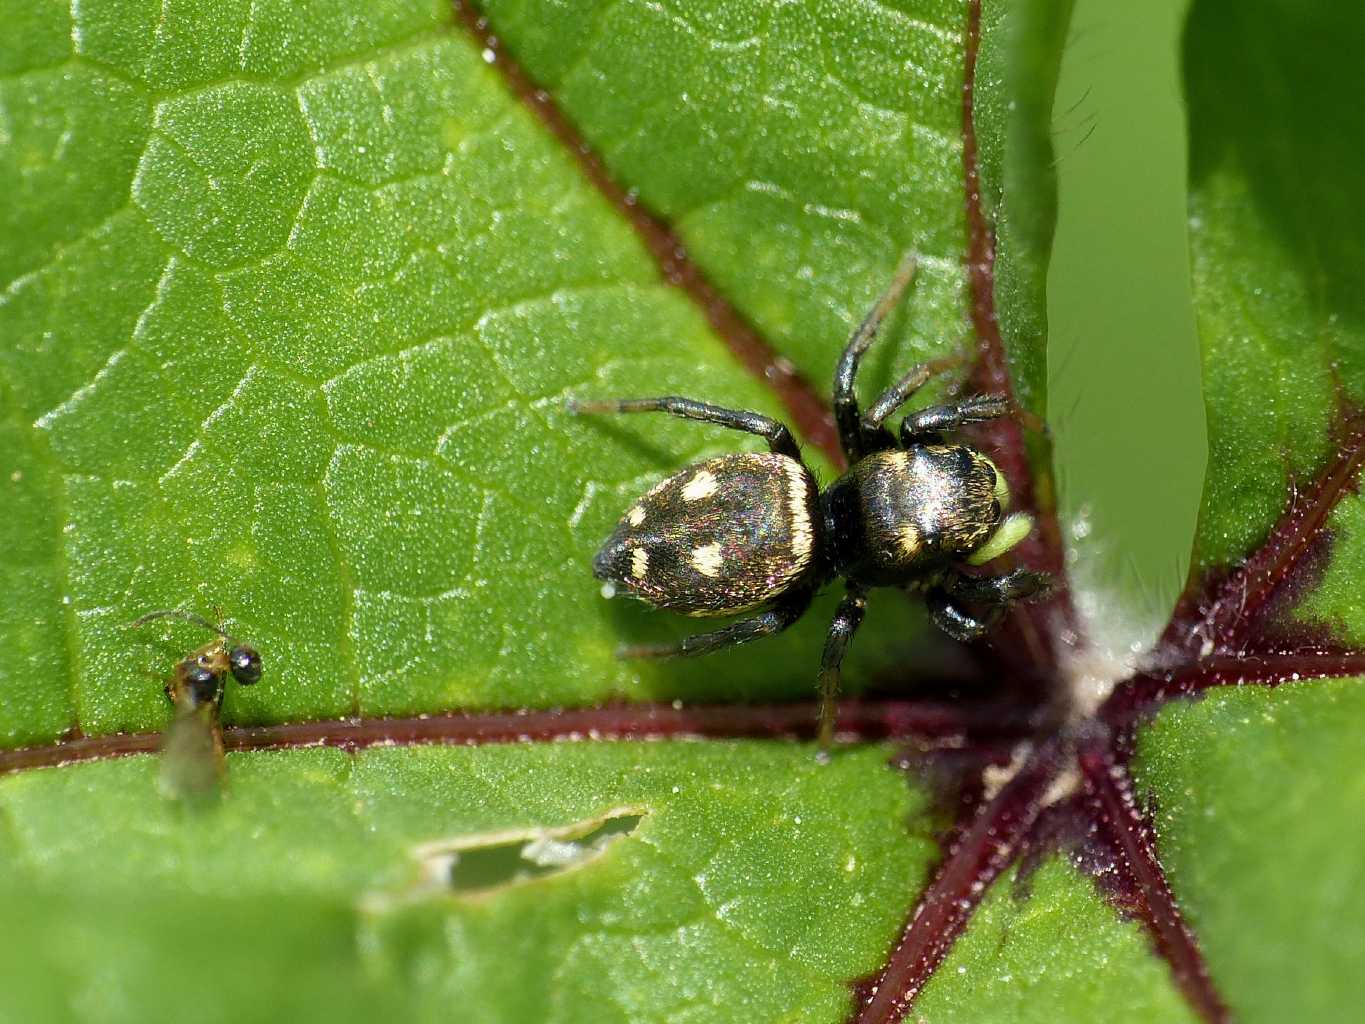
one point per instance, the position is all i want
(192, 753)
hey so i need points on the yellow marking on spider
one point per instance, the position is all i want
(803, 536)
(706, 560)
(910, 540)
(703, 485)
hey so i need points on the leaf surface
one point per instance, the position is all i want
(776, 140)
(310, 368)
(292, 301)
(297, 298)
(315, 886)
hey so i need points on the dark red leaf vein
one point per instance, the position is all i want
(1144, 693)
(984, 847)
(1223, 612)
(920, 721)
(1116, 811)
(809, 412)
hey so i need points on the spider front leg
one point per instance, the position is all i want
(904, 389)
(1005, 589)
(856, 438)
(777, 435)
(847, 619)
(958, 624)
(995, 593)
(767, 623)
(938, 419)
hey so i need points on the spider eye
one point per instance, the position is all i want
(246, 665)
(996, 511)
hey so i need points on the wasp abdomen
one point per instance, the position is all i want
(718, 537)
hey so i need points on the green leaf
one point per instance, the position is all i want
(232, 363)
(293, 297)
(316, 888)
(798, 150)
(1252, 787)
(1016, 79)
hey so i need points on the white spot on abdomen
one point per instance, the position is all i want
(802, 534)
(703, 485)
(639, 563)
(706, 560)
(635, 516)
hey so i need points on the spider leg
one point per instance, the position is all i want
(766, 623)
(1005, 589)
(777, 435)
(847, 619)
(996, 593)
(958, 624)
(939, 418)
(904, 389)
(856, 439)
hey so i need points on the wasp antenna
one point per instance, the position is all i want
(218, 617)
(177, 613)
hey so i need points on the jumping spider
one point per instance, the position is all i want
(752, 530)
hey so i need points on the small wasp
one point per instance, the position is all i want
(754, 533)
(192, 747)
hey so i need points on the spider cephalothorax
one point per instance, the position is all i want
(753, 531)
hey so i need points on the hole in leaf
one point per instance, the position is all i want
(478, 864)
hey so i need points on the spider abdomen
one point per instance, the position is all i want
(718, 537)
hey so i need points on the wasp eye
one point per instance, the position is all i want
(246, 665)
(202, 685)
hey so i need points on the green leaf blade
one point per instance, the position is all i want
(293, 325)
(246, 392)
(1276, 188)
(732, 890)
(776, 143)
